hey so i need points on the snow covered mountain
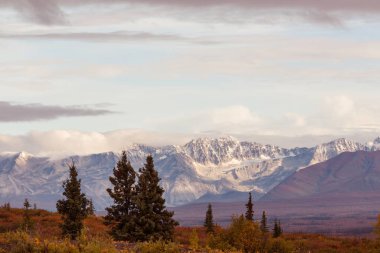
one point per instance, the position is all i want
(200, 169)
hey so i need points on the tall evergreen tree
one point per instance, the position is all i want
(73, 208)
(263, 223)
(154, 221)
(280, 231)
(209, 220)
(249, 206)
(121, 216)
(27, 222)
(277, 230)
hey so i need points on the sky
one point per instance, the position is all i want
(85, 76)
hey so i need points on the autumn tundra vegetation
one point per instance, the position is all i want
(139, 222)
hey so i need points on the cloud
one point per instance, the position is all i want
(64, 142)
(98, 37)
(323, 11)
(38, 11)
(10, 112)
(323, 5)
(345, 114)
(339, 116)
(230, 119)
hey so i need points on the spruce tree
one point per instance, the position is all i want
(263, 223)
(27, 222)
(154, 222)
(121, 216)
(277, 230)
(209, 220)
(73, 208)
(249, 206)
(90, 208)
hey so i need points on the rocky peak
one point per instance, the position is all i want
(331, 149)
(377, 141)
(212, 151)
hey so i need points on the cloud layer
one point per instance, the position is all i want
(10, 112)
(97, 37)
(64, 142)
(51, 12)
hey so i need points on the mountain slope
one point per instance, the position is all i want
(349, 174)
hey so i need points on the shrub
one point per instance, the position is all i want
(194, 240)
(157, 246)
(242, 234)
(21, 242)
(279, 245)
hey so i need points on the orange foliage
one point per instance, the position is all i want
(182, 235)
(46, 224)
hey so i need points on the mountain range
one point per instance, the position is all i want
(205, 169)
(340, 196)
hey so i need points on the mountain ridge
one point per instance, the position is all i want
(201, 167)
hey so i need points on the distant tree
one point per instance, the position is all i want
(73, 208)
(263, 223)
(153, 221)
(7, 206)
(280, 228)
(121, 216)
(277, 230)
(209, 220)
(377, 228)
(90, 208)
(249, 213)
(35, 206)
(27, 222)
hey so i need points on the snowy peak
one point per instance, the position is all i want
(212, 151)
(209, 151)
(22, 158)
(375, 145)
(331, 149)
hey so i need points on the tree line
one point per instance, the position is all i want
(249, 216)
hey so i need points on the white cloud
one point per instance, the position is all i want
(295, 119)
(230, 119)
(66, 142)
(336, 116)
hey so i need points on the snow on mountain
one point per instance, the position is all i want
(329, 150)
(375, 145)
(202, 167)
